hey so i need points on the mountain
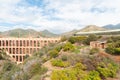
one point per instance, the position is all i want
(27, 33)
(92, 28)
(86, 29)
(48, 33)
(70, 33)
(111, 26)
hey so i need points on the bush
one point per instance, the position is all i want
(108, 70)
(117, 51)
(90, 38)
(59, 63)
(37, 69)
(93, 75)
(53, 53)
(36, 77)
(63, 38)
(105, 72)
(58, 48)
(78, 39)
(94, 50)
(113, 48)
(79, 66)
(68, 47)
(63, 75)
(76, 51)
(64, 58)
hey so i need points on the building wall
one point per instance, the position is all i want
(18, 48)
(98, 44)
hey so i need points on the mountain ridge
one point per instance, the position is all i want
(111, 26)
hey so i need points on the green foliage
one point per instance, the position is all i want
(108, 70)
(63, 75)
(78, 39)
(105, 72)
(3, 55)
(68, 47)
(59, 63)
(113, 48)
(93, 75)
(58, 47)
(79, 66)
(117, 51)
(8, 70)
(63, 38)
(53, 53)
(94, 50)
(76, 51)
(113, 39)
(76, 73)
(36, 77)
(90, 38)
(64, 58)
(37, 69)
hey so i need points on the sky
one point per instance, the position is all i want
(57, 16)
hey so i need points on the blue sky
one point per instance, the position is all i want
(57, 15)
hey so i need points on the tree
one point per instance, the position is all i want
(68, 47)
(90, 38)
(113, 48)
(78, 39)
(53, 53)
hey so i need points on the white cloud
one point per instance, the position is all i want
(66, 14)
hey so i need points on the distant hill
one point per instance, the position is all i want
(48, 33)
(86, 29)
(111, 26)
(27, 33)
(70, 33)
(92, 28)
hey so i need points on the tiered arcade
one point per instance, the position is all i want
(18, 48)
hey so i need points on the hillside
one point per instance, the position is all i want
(86, 29)
(70, 33)
(27, 33)
(48, 33)
(111, 26)
(92, 28)
(63, 61)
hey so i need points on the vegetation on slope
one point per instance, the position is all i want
(72, 63)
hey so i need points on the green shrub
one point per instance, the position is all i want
(105, 72)
(113, 48)
(78, 39)
(59, 63)
(58, 48)
(68, 47)
(63, 75)
(37, 69)
(64, 58)
(90, 38)
(36, 77)
(93, 75)
(117, 51)
(109, 70)
(63, 38)
(53, 53)
(94, 50)
(76, 51)
(79, 66)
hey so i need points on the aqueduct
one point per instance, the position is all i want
(18, 48)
